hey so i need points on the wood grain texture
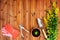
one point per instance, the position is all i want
(25, 12)
(58, 37)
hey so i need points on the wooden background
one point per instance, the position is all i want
(16, 12)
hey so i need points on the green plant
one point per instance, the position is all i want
(51, 20)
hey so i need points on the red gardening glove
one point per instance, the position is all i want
(8, 30)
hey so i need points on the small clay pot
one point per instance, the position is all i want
(36, 32)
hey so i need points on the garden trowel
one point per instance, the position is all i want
(41, 26)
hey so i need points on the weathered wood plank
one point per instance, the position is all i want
(58, 36)
(20, 17)
(26, 18)
(42, 15)
(33, 17)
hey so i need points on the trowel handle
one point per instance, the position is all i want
(44, 33)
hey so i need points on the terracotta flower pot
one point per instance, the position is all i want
(35, 32)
